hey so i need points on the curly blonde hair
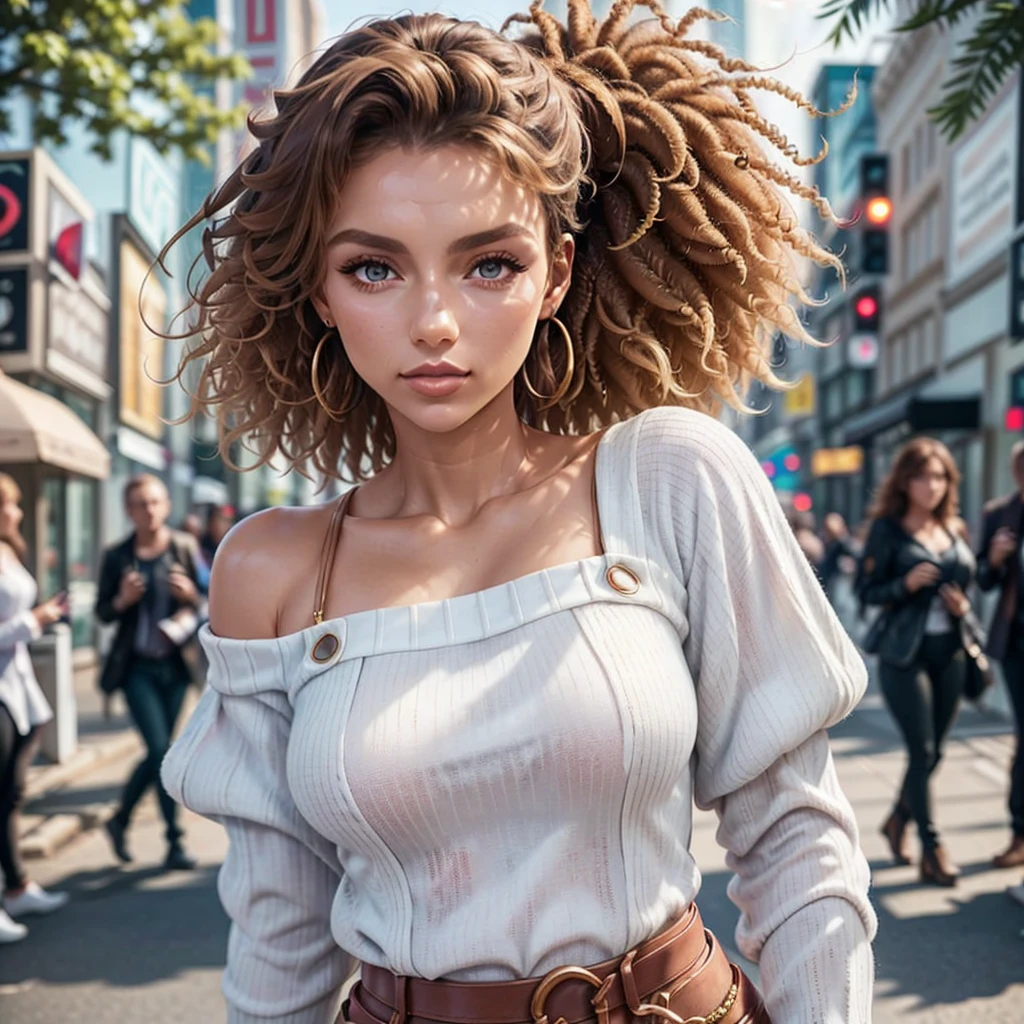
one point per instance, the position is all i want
(644, 143)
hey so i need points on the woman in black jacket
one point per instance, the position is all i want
(917, 566)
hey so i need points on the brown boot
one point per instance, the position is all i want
(1012, 856)
(895, 830)
(937, 868)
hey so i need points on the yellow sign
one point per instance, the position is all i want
(141, 352)
(837, 461)
(800, 400)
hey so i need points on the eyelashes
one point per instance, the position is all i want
(375, 264)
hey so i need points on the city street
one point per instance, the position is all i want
(137, 946)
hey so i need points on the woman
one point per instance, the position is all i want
(23, 711)
(457, 719)
(916, 566)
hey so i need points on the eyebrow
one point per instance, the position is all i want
(464, 244)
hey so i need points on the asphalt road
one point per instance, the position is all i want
(137, 946)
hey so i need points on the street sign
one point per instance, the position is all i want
(837, 461)
(800, 400)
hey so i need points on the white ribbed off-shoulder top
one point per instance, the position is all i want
(493, 785)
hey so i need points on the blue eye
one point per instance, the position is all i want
(375, 273)
(490, 270)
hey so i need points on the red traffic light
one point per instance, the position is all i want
(1014, 418)
(802, 502)
(791, 462)
(866, 307)
(879, 210)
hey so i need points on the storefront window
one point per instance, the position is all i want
(69, 555)
(80, 557)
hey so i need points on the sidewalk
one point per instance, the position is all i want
(63, 800)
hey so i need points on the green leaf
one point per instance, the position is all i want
(109, 64)
(985, 59)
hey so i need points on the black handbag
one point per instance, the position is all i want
(979, 669)
(873, 637)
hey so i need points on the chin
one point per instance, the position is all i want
(440, 418)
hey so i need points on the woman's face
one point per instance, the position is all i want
(928, 487)
(438, 269)
(10, 515)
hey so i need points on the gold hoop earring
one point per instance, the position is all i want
(351, 399)
(566, 381)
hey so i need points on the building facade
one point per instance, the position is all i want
(948, 365)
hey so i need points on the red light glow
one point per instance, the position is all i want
(867, 307)
(802, 502)
(1015, 418)
(791, 462)
(879, 210)
(769, 468)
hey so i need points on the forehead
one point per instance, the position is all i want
(449, 191)
(149, 491)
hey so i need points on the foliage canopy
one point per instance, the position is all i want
(993, 47)
(138, 65)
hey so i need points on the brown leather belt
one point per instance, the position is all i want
(681, 976)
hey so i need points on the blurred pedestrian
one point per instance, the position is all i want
(1001, 564)
(219, 519)
(805, 531)
(23, 710)
(917, 567)
(838, 548)
(148, 586)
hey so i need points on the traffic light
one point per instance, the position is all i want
(876, 203)
(867, 310)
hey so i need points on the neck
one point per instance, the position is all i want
(152, 538)
(452, 475)
(918, 516)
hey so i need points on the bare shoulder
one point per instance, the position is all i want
(260, 565)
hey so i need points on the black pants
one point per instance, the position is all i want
(1013, 672)
(923, 699)
(154, 691)
(16, 754)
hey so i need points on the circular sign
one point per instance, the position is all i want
(10, 210)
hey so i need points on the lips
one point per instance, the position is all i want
(436, 380)
(436, 370)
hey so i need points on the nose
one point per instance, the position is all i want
(436, 324)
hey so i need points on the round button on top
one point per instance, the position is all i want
(325, 648)
(622, 579)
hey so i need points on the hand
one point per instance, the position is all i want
(1002, 546)
(924, 574)
(956, 599)
(49, 612)
(133, 586)
(182, 587)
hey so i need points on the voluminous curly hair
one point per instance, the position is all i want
(644, 143)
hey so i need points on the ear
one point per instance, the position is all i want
(322, 309)
(559, 276)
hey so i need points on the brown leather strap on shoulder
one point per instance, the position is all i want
(328, 554)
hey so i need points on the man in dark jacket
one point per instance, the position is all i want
(148, 587)
(1001, 564)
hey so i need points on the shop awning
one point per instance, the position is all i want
(35, 427)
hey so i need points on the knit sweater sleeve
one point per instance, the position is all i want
(773, 669)
(280, 877)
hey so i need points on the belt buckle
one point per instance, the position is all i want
(554, 978)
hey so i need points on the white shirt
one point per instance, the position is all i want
(19, 689)
(497, 784)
